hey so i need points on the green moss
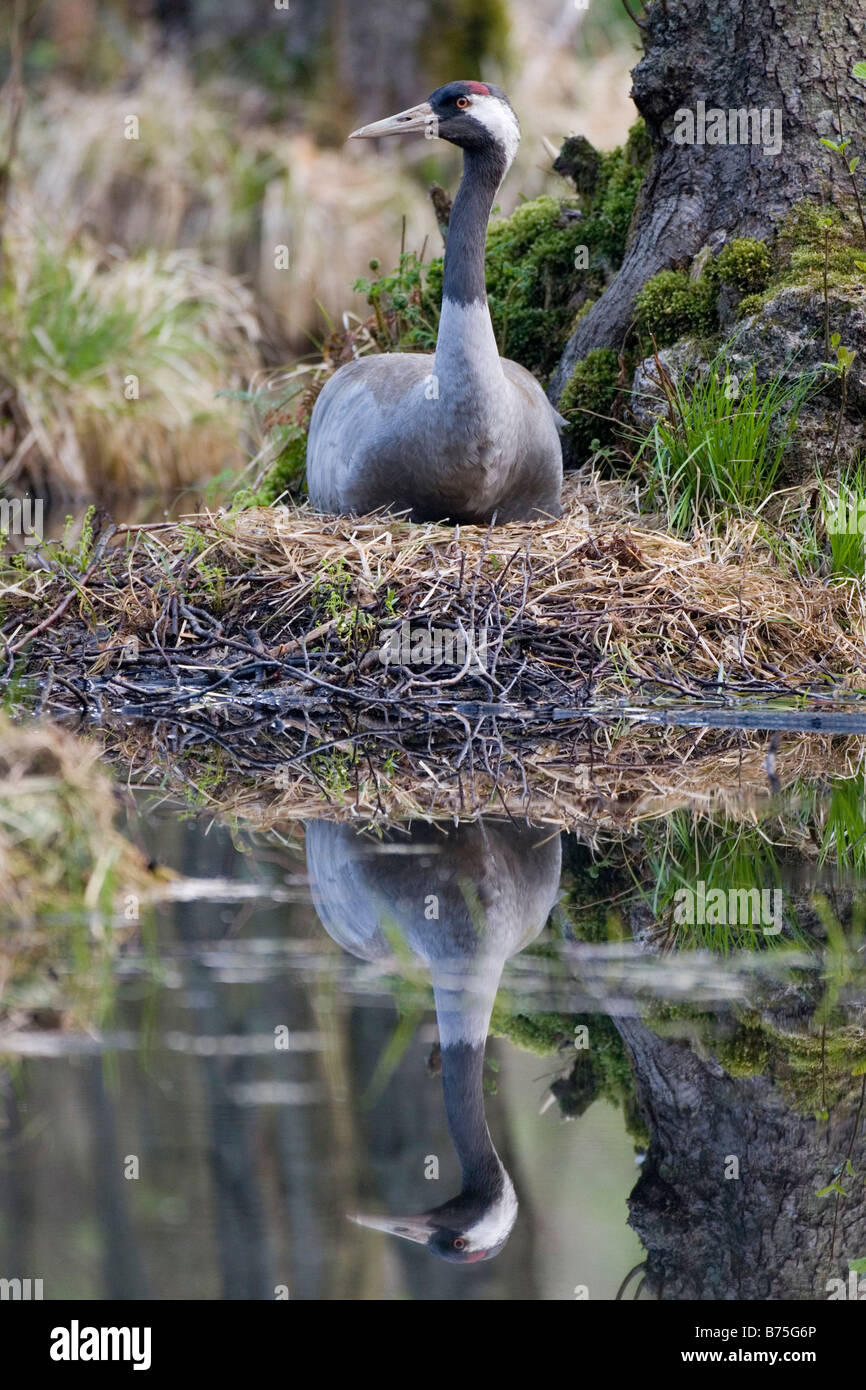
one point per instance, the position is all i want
(818, 1069)
(808, 226)
(601, 922)
(812, 236)
(749, 304)
(537, 281)
(601, 1071)
(579, 161)
(815, 1070)
(582, 312)
(638, 150)
(745, 1053)
(592, 387)
(596, 881)
(743, 263)
(670, 306)
(608, 224)
(542, 1034)
(807, 222)
(533, 281)
(675, 304)
(813, 240)
(287, 472)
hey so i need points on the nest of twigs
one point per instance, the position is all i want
(261, 634)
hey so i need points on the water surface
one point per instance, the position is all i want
(687, 1098)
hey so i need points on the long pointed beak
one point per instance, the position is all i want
(417, 1228)
(416, 118)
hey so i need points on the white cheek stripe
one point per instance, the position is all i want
(496, 1223)
(500, 120)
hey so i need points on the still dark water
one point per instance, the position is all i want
(269, 1066)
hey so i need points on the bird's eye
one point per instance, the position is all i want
(463, 102)
(460, 1243)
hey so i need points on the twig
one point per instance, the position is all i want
(64, 604)
(631, 14)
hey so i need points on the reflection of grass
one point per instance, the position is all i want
(70, 881)
(683, 851)
(391, 1055)
(842, 825)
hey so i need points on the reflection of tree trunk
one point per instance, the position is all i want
(241, 1232)
(17, 1203)
(124, 1275)
(763, 1235)
(731, 56)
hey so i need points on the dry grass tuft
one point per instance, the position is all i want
(116, 372)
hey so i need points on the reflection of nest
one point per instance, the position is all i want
(254, 642)
(598, 782)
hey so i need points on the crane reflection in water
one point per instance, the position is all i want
(461, 899)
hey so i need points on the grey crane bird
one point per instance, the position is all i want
(463, 435)
(461, 900)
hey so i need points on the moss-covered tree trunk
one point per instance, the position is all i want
(781, 57)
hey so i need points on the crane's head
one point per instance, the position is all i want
(474, 115)
(469, 1228)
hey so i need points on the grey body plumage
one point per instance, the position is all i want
(463, 434)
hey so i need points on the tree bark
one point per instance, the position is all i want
(778, 55)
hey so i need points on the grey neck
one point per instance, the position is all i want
(464, 996)
(463, 280)
(462, 1085)
(467, 364)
